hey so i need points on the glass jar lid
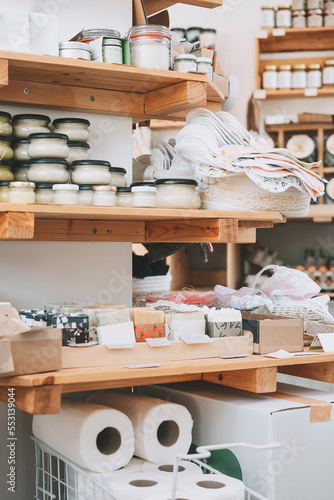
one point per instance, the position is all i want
(284, 7)
(142, 183)
(267, 7)
(188, 182)
(330, 62)
(66, 187)
(149, 30)
(4, 183)
(117, 169)
(30, 116)
(123, 190)
(311, 12)
(270, 67)
(20, 141)
(44, 185)
(112, 41)
(185, 57)
(105, 188)
(55, 161)
(98, 33)
(23, 164)
(86, 187)
(203, 59)
(299, 67)
(78, 144)
(75, 45)
(284, 67)
(6, 115)
(297, 13)
(71, 120)
(4, 138)
(314, 66)
(21, 184)
(4, 163)
(99, 163)
(41, 135)
(144, 189)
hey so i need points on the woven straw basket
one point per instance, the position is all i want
(238, 192)
(152, 285)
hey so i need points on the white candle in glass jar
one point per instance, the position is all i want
(44, 193)
(20, 172)
(118, 176)
(20, 148)
(78, 151)
(124, 197)
(5, 172)
(4, 191)
(86, 194)
(144, 196)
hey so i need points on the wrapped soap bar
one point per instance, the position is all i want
(148, 324)
(109, 306)
(112, 317)
(92, 315)
(75, 327)
(133, 309)
(224, 323)
(187, 325)
(55, 308)
(33, 317)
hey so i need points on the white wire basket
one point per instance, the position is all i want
(57, 477)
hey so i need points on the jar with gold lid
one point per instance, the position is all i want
(270, 77)
(268, 16)
(328, 72)
(299, 77)
(21, 192)
(314, 76)
(283, 16)
(284, 77)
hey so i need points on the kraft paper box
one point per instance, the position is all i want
(226, 329)
(272, 333)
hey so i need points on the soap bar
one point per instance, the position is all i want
(112, 317)
(75, 328)
(149, 331)
(226, 329)
(109, 306)
(55, 308)
(133, 309)
(144, 317)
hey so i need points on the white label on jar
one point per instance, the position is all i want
(270, 80)
(279, 32)
(260, 94)
(328, 75)
(284, 80)
(311, 92)
(330, 144)
(262, 34)
(299, 79)
(314, 79)
(112, 54)
(268, 18)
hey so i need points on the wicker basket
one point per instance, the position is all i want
(238, 192)
(152, 285)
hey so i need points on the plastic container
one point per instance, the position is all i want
(150, 46)
(6, 152)
(185, 63)
(144, 196)
(5, 171)
(78, 151)
(270, 77)
(66, 194)
(268, 17)
(27, 124)
(20, 148)
(52, 170)
(21, 192)
(75, 50)
(86, 194)
(44, 193)
(4, 191)
(112, 50)
(76, 129)
(118, 176)
(48, 146)
(124, 197)
(104, 196)
(94, 172)
(6, 128)
(177, 193)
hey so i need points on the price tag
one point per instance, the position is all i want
(235, 356)
(204, 339)
(147, 365)
(262, 34)
(163, 341)
(260, 94)
(278, 32)
(311, 92)
(120, 346)
(86, 344)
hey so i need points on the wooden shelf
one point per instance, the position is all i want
(138, 225)
(153, 6)
(296, 40)
(95, 87)
(321, 213)
(327, 91)
(41, 393)
(298, 127)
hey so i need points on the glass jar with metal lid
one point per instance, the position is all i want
(284, 77)
(112, 50)
(66, 194)
(299, 77)
(124, 197)
(26, 124)
(92, 34)
(270, 77)
(299, 19)
(104, 196)
(177, 193)
(6, 128)
(6, 152)
(204, 65)
(144, 196)
(76, 129)
(267, 16)
(20, 171)
(20, 148)
(117, 176)
(314, 76)
(328, 72)
(184, 63)
(48, 170)
(95, 172)
(44, 193)
(315, 18)
(194, 33)
(86, 194)
(329, 16)
(21, 192)
(5, 171)
(4, 191)
(150, 46)
(283, 16)
(75, 50)
(208, 38)
(78, 151)
(48, 146)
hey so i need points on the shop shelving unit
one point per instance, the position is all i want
(153, 6)
(293, 40)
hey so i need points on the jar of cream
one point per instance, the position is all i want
(204, 65)
(6, 152)
(314, 76)
(184, 63)
(328, 72)
(112, 50)
(20, 171)
(48, 170)
(21, 192)
(283, 16)
(299, 77)
(104, 196)
(78, 151)
(48, 146)
(4, 191)
(5, 171)
(118, 176)
(75, 50)
(6, 128)
(44, 193)
(66, 194)
(144, 196)
(76, 129)
(177, 193)
(95, 172)
(124, 197)
(267, 16)
(270, 77)
(24, 125)
(150, 46)
(20, 148)
(284, 77)
(86, 194)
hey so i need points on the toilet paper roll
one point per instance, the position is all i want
(185, 468)
(96, 438)
(214, 486)
(162, 430)
(180, 495)
(139, 486)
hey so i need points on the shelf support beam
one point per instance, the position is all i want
(257, 380)
(324, 372)
(3, 72)
(16, 226)
(175, 98)
(40, 400)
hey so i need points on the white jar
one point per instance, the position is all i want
(104, 196)
(21, 192)
(86, 194)
(144, 196)
(315, 18)
(20, 148)
(283, 16)
(328, 73)
(284, 77)
(118, 176)
(48, 146)
(298, 4)
(299, 19)
(204, 65)
(314, 76)
(4, 191)
(112, 50)
(177, 193)
(314, 4)
(150, 46)
(48, 170)
(66, 194)
(270, 77)
(24, 125)
(124, 197)
(299, 77)
(6, 128)
(76, 129)
(267, 16)
(185, 63)
(5, 172)
(91, 172)
(329, 16)
(75, 50)
(6, 152)
(44, 193)
(78, 151)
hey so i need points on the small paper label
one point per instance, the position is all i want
(204, 339)
(120, 346)
(262, 34)
(85, 344)
(281, 354)
(310, 92)
(235, 356)
(158, 342)
(306, 353)
(327, 341)
(278, 32)
(260, 94)
(147, 365)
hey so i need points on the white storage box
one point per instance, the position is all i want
(301, 469)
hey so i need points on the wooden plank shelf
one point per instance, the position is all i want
(298, 40)
(138, 225)
(320, 213)
(153, 6)
(327, 91)
(95, 87)
(40, 393)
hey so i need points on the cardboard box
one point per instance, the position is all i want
(272, 333)
(222, 83)
(302, 468)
